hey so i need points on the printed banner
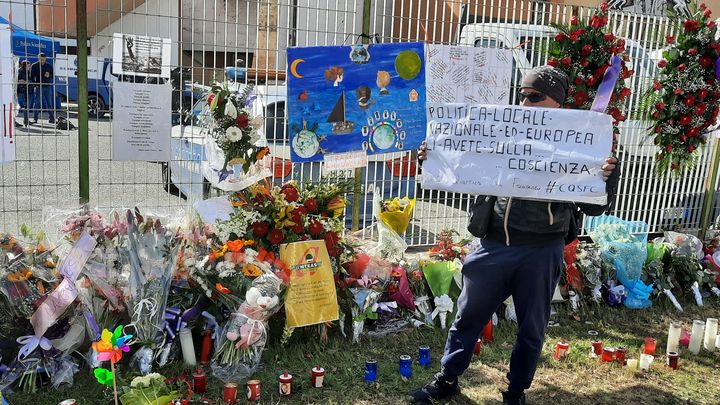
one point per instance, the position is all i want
(466, 74)
(367, 98)
(311, 295)
(513, 151)
(56, 303)
(139, 55)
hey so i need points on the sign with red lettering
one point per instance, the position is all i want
(514, 151)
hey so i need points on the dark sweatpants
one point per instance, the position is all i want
(490, 274)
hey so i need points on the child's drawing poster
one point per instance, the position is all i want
(360, 97)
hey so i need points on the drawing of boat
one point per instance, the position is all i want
(338, 118)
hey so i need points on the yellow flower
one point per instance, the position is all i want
(284, 216)
(337, 206)
(251, 270)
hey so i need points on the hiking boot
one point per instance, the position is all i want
(440, 387)
(509, 399)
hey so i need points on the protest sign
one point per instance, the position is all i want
(311, 295)
(514, 151)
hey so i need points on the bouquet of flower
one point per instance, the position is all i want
(418, 286)
(589, 264)
(272, 215)
(150, 389)
(584, 51)
(393, 217)
(685, 98)
(150, 253)
(238, 353)
(365, 293)
(234, 134)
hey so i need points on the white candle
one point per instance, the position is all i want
(711, 329)
(673, 340)
(632, 364)
(717, 341)
(696, 337)
(645, 361)
(188, 348)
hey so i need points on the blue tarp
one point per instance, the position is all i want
(28, 45)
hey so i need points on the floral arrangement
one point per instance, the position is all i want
(446, 249)
(583, 50)
(233, 127)
(685, 98)
(151, 389)
(272, 215)
(393, 217)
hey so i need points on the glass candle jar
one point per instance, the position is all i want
(608, 354)
(672, 360)
(649, 347)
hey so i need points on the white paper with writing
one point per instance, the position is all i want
(513, 151)
(141, 122)
(214, 209)
(343, 161)
(465, 74)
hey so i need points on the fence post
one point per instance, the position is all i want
(82, 60)
(357, 190)
(709, 191)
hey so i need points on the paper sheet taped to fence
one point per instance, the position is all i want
(514, 151)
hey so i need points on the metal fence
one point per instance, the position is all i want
(209, 36)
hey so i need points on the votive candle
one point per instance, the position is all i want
(620, 354)
(188, 348)
(632, 364)
(673, 340)
(597, 347)
(230, 394)
(478, 347)
(645, 361)
(207, 343)
(672, 360)
(711, 331)
(487, 333)
(649, 347)
(608, 354)
(561, 350)
(696, 337)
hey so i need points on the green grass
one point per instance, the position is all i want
(578, 380)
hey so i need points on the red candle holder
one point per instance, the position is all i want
(561, 350)
(207, 344)
(597, 347)
(478, 347)
(230, 394)
(649, 346)
(672, 360)
(199, 381)
(608, 355)
(487, 333)
(621, 355)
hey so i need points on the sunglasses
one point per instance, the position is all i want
(533, 97)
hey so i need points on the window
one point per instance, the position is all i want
(275, 131)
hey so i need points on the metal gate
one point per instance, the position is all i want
(246, 40)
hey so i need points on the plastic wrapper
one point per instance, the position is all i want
(423, 311)
(364, 298)
(391, 245)
(239, 349)
(672, 299)
(40, 367)
(235, 179)
(403, 296)
(624, 244)
(695, 287)
(443, 306)
(510, 310)
(685, 245)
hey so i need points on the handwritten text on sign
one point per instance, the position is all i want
(514, 151)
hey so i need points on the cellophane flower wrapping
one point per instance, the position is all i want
(589, 264)
(439, 276)
(149, 252)
(238, 352)
(391, 225)
(364, 297)
(624, 244)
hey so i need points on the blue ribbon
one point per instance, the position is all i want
(605, 90)
(717, 69)
(173, 321)
(30, 343)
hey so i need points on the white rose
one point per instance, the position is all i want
(254, 137)
(233, 134)
(230, 110)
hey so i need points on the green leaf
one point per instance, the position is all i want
(104, 376)
(25, 230)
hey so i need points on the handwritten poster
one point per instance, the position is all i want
(140, 55)
(513, 151)
(311, 295)
(141, 122)
(464, 74)
(368, 98)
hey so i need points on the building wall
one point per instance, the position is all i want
(58, 16)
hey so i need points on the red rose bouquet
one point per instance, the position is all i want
(685, 98)
(583, 50)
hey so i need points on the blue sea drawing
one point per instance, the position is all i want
(373, 102)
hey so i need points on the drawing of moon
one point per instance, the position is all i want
(293, 67)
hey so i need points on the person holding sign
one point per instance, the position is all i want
(521, 255)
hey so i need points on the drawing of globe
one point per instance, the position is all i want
(305, 144)
(384, 136)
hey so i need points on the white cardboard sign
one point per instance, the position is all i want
(514, 151)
